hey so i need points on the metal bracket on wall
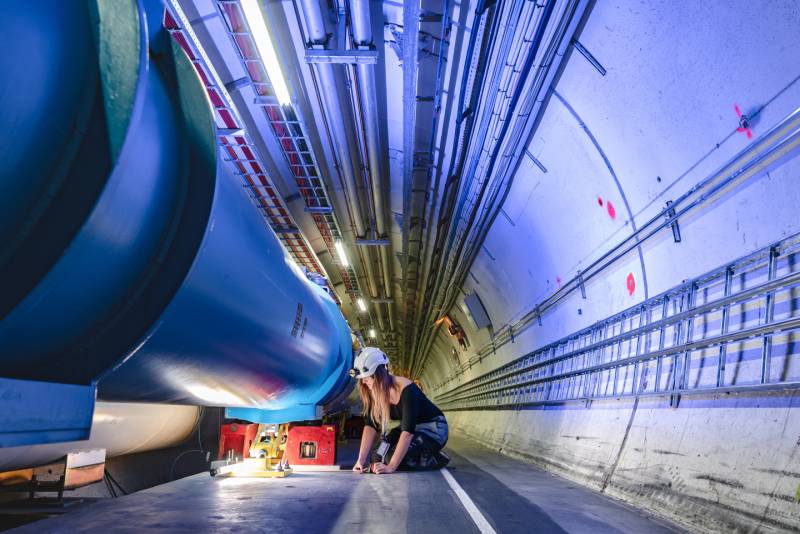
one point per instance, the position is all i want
(589, 57)
(582, 286)
(673, 222)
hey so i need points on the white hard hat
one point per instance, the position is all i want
(368, 361)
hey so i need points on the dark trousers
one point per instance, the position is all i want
(423, 452)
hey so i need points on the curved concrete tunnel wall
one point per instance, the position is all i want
(661, 120)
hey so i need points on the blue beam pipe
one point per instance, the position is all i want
(168, 286)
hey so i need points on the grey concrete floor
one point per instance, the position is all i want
(518, 497)
(513, 496)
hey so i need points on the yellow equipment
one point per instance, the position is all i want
(266, 456)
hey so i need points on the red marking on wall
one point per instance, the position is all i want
(599, 201)
(744, 122)
(611, 211)
(558, 281)
(631, 283)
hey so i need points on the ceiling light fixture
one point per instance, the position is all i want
(266, 49)
(342, 255)
(372, 333)
(361, 306)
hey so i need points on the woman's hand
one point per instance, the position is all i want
(359, 467)
(382, 469)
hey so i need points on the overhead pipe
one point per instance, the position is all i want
(366, 259)
(484, 37)
(530, 61)
(433, 176)
(446, 299)
(362, 36)
(315, 26)
(329, 90)
(410, 58)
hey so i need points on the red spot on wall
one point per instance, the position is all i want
(558, 281)
(599, 201)
(611, 211)
(744, 122)
(631, 283)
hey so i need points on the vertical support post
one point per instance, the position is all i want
(723, 349)
(647, 312)
(769, 308)
(684, 383)
(676, 230)
(677, 340)
(661, 340)
(618, 350)
(637, 369)
(601, 357)
(585, 361)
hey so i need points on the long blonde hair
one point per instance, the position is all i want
(375, 402)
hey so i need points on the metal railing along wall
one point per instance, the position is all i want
(779, 142)
(736, 328)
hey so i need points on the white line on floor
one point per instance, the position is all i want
(476, 515)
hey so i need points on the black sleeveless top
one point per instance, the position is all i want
(414, 407)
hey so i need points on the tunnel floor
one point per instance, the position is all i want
(509, 495)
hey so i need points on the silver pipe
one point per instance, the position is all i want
(359, 17)
(386, 269)
(567, 25)
(315, 26)
(317, 34)
(362, 36)
(411, 13)
(366, 259)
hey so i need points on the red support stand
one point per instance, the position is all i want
(311, 445)
(236, 439)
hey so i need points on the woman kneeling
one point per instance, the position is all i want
(414, 445)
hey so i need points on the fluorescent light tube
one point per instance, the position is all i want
(258, 28)
(361, 306)
(372, 333)
(342, 255)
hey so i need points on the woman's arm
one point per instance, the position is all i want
(409, 406)
(367, 440)
(399, 453)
